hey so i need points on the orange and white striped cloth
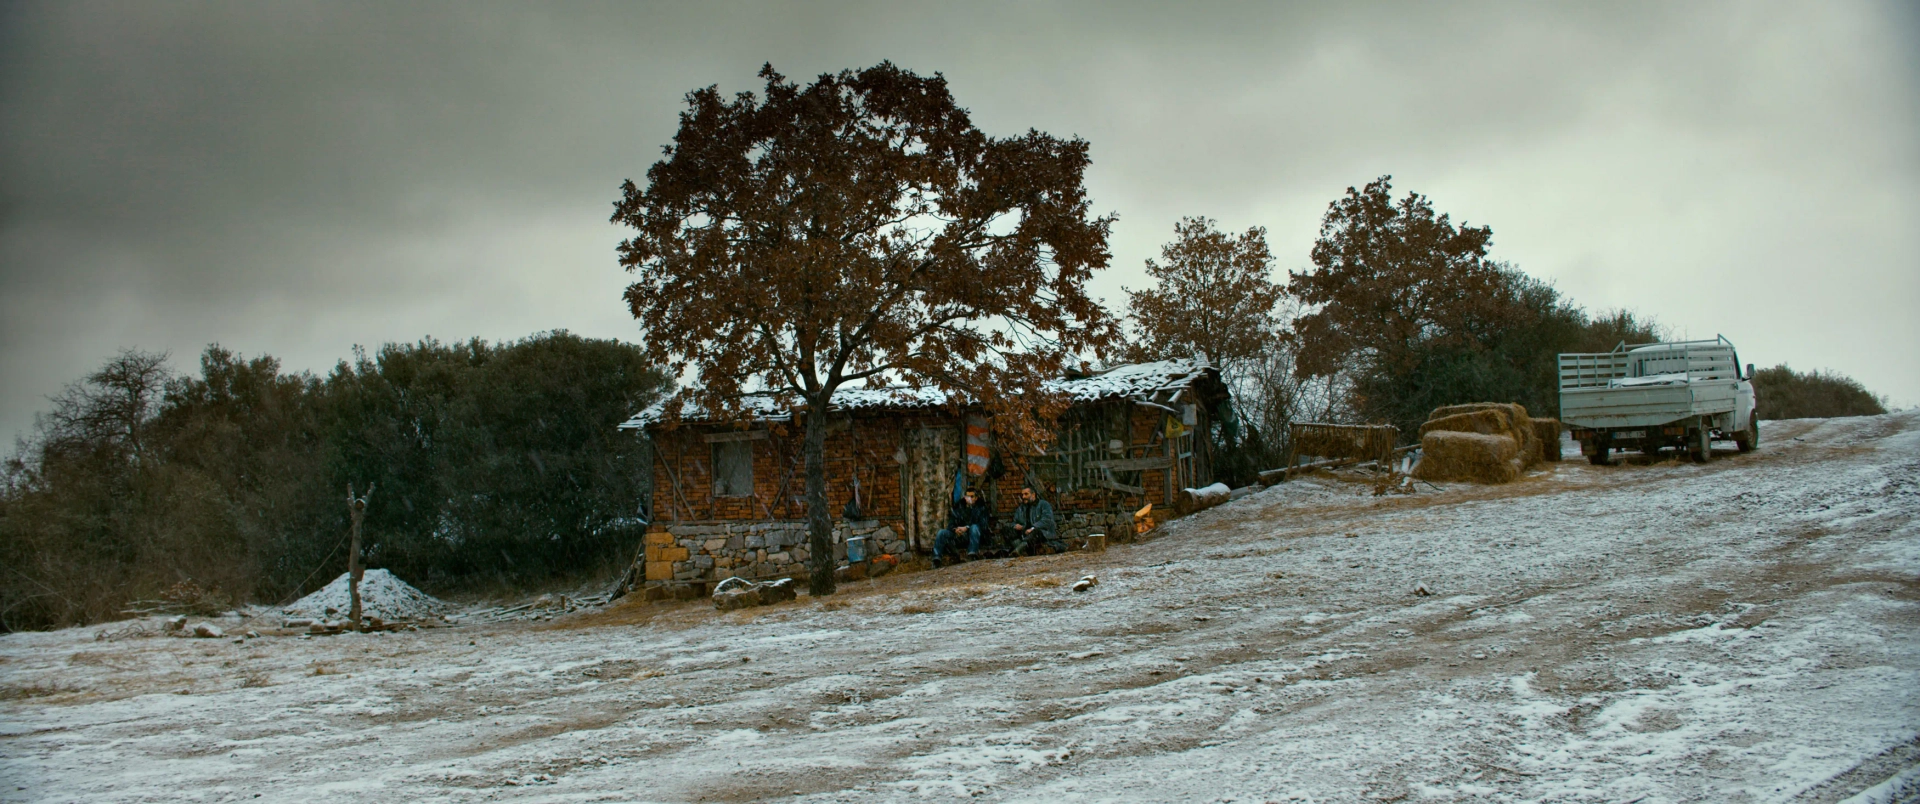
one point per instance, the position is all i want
(977, 444)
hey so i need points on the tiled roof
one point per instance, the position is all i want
(1157, 382)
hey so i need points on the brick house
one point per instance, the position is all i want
(730, 502)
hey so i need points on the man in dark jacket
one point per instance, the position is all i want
(1033, 527)
(971, 520)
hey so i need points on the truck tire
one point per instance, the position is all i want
(1751, 438)
(1702, 444)
(1602, 444)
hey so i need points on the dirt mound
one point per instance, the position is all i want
(381, 595)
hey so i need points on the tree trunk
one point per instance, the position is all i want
(819, 519)
(357, 506)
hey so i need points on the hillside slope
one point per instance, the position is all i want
(1744, 630)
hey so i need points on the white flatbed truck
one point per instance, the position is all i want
(1679, 394)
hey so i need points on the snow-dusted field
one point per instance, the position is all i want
(1748, 630)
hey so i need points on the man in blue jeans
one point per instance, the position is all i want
(1033, 527)
(971, 520)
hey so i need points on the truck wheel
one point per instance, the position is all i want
(1601, 446)
(1702, 444)
(1751, 438)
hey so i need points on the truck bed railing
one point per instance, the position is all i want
(1592, 369)
(1698, 360)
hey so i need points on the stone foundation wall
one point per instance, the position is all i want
(1076, 526)
(713, 551)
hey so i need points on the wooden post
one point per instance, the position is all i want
(357, 509)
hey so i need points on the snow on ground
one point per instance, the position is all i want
(381, 595)
(1653, 631)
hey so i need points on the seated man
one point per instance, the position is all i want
(1033, 527)
(971, 520)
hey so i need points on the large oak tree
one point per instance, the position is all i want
(1390, 277)
(861, 230)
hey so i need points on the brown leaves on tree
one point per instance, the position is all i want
(1215, 297)
(1390, 276)
(861, 229)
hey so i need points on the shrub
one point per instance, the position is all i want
(1787, 394)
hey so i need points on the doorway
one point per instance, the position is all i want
(926, 482)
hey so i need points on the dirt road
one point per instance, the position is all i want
(1747, 630)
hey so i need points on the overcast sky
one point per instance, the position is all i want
(293, 179)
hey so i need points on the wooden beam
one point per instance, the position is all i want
(1129, 464)
(743, 435)
(1119, 486)
(1155, 405)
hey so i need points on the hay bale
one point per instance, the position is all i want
(1513, 409)
(1484, 422)
(1519, 426)
(1547, 433)
(1475, 457)
(1324, 440)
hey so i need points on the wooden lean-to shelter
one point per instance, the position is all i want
(729, 500)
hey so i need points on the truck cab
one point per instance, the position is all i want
(1682, 394)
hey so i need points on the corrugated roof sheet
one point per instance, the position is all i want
(1142, 381)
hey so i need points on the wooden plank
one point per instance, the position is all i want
(1119, 486)
(744, 435)
(1130, 464)
(1152, 404)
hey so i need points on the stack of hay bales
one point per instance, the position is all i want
(1485, 442)
(1547, 432)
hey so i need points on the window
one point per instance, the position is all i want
(733, 469)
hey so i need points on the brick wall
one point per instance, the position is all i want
(701, 537)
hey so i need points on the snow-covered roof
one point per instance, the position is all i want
(1158, 382)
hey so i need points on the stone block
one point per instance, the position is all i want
(780, 558)
(659, 570)
(754, 542)
(703, 562)
(736, 599)
(661, 538)
(779, 591)
(672, 554)
(735, 542)
(885, 535)
(714, 545)
(722, 562)
(686, 574)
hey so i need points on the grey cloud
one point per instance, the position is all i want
(296, 178)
